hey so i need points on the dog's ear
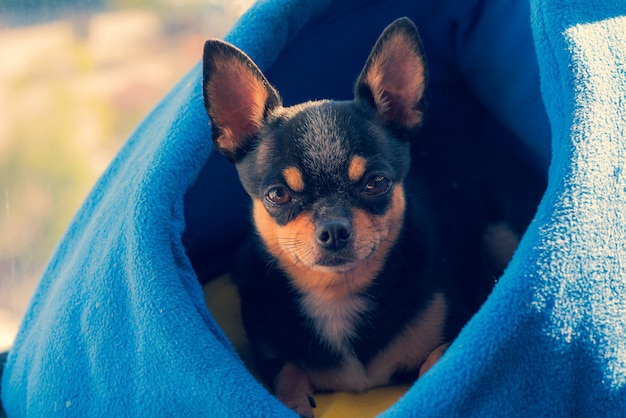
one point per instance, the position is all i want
(237, 97)
(394, 77)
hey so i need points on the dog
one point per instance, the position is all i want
(345, 282)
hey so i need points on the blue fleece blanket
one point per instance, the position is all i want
(118, 324)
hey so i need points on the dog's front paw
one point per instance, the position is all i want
(432, 358)
(302, 405)
(293, 388)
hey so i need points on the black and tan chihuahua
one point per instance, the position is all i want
(345, 284)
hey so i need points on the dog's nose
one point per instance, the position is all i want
(334, 234)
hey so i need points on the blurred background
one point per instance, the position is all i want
(76, 77)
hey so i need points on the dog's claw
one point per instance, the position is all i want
(302, 406)
(293, 388)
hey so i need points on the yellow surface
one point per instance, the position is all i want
(223, 302)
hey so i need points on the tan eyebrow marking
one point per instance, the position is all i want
(293, 177)
(357, 168)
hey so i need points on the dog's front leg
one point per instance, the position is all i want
(293, 388)
(432, 358)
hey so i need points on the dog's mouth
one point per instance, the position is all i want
(336, 262)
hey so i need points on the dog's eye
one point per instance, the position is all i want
(278, 196)
(377, 185)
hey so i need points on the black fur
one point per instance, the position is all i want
(416, 268)
(320, 139)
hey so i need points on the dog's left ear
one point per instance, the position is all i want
(394, 77)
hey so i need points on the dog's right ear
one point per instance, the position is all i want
(237, 97)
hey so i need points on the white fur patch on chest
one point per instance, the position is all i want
(406, 351)
(334, 320)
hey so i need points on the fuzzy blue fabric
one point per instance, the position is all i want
(118, 324)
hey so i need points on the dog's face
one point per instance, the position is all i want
(325, 177)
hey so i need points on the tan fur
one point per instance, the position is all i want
(418, 345)
(433, 358)
(237, 100)
(397, 80)
(293, 178)
(414, 344)
(295, 248)
(293, 388)
(357, 168)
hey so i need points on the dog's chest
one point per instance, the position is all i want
(335, 320)
(335, 323)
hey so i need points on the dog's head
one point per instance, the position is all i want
(325, 177)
